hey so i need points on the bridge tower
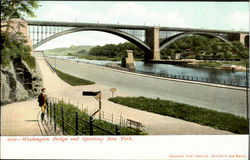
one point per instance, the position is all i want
(243, 39)
(19, 26)
(152, 40)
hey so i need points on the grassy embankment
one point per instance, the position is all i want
(89, 57)
(69, 116)
(218, 120)
(64, 51)
(74, 81)
(218, 64)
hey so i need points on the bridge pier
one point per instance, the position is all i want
(243, 39)
(152, 40)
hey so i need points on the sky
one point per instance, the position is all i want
(207, 15)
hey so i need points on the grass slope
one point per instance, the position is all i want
(74, 81)
(218, 120)
(89, 57)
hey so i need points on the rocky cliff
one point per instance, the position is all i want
(19, 82)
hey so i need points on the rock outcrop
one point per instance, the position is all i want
(19, 82)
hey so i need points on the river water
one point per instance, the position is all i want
(197, 73)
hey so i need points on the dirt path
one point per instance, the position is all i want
(21, 118)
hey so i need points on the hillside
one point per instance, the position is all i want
(64, 51)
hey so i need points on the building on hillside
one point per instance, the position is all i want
(176, 56)
(229, 67)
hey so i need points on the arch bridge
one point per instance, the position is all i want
(151, 39)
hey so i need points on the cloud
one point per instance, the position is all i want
(123, 12)
(134, 13)
(94, 17)
(127, 9)
(238, 20)
(62, 12)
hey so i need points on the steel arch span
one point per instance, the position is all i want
(117, 32)
(165, 43)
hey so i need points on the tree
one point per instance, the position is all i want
(112, 50)
(228, 55)
(83, 51)
(16, 48)
(214, 46)
(16, 9)
(240, 49)
(96, 51)
(13, 43)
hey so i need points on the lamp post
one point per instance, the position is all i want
(55, 62)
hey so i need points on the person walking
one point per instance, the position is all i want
(42, 100)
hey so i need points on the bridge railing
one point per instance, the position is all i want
(50, 67)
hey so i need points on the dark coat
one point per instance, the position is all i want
(41, 99)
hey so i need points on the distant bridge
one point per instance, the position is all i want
(151, 39)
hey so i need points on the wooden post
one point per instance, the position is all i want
(90, 126)
(50, 113)
(54, 117)
(62, 110)
(117, 130)
(100, 106)
(76, 123)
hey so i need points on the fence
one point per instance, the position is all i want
(50, 67)
(82, 125)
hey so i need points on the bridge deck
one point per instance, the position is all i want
(124, 26)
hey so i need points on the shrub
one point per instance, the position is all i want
(69, 117)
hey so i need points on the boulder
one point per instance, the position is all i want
(21, 93)
(5, 89)
(130, 66)
(19, 82)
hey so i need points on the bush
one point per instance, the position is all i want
(69, 117)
